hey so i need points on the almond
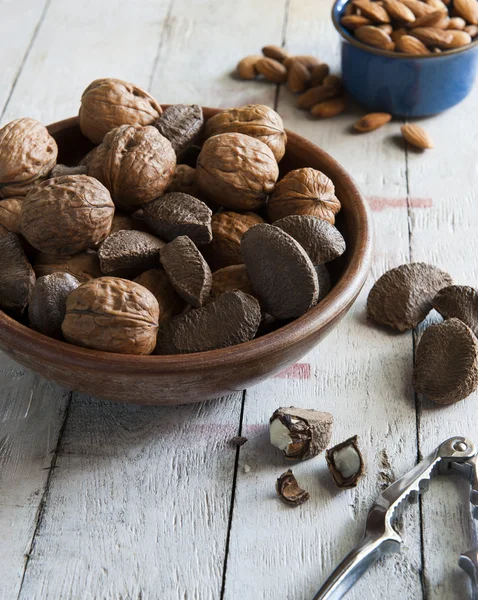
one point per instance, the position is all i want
(460, 38)
(397, 10)
(272, 70)
(416, 136)
(387, 28)
(398, 33)
(457, 23)
(372, 10)
(334, 81)
(373, 36)
(435, 19)
(247, 67)
(309, 61)
(411, 45)
(329, 108)
(472, 30)
(275, 52)
(372, 121)
(418, 8)
(317, 94)
(438, 5)
(298, 79)
(353, 22)
(432, 37)
(318, 74)
(468, 9)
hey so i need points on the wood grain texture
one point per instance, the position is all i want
(361, 374)
(445, 235)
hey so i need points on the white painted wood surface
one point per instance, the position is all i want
(99, 500)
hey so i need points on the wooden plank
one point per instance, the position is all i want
(360, 373)
(445, 235)
(138, 505)
(18, 28)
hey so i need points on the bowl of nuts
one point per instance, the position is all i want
(410, 58)
(171, 254)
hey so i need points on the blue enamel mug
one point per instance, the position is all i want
(401, 84)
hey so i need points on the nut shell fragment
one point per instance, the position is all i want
(135, 163)
(289, 490)
(322, 241)
(176, 214)
(236, 171)
(256, 120)
(66, 215)
(108, 103)
(113, 315)
(460, 301)
(233, 318)
(403, 296)
(304, 191)
(446, 362)
(309, 431)
(345, 463)
(47, 307)
(27, 155)
(187, 270)
(16, 274)
(181, 125)
(127, 253)
(287, 292)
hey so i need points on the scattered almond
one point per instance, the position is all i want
(272, 70)
(411, 45)
(372, 10)
(275, 52)
(373, 36)
(468, 9)
(372, 121)
(397, 10)
(416, 136)
(309, 61)
(318, 74)
(247, 67)
(298, 78)
(317, 94)
(329, 108)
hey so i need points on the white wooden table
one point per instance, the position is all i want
(103, 500)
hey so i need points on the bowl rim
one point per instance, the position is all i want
(25, 340)
(336, 14)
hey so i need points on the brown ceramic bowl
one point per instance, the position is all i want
(205, 375)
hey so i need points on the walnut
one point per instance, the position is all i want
(227, 231)
(27, 154)
(184, 180)
(257, 120)
(304, 191)
(67, 214)
(236, 171)
(83, 266)
(135, 163)
(109, 103)
(10, 212)
(16, 274)
(230, 279)
(113, 315)
(157, 282)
